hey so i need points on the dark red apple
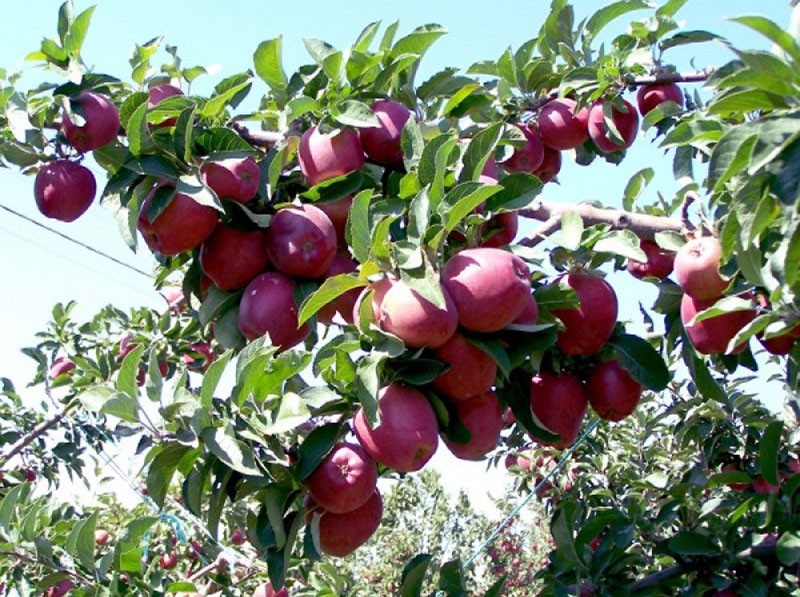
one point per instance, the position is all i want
(761, 485)
(237, 537)
(659, 262)
(378, 290)
(344, 480)
(101, 124)
(328, 155)
(29, 475)
(169, 560)
(266, 590)
(61, 366)
(490, 287)
(415, 320)
(341, 534)
(472, 371)
(588, 326)
(64, 190)
(482, 416)
(199, 357)
(408, 433)
(550, 166)
(268, 307)
(783, 344)
(338, 211)
(613, 393)
(345, 303)
(529, 315)
(711, 336)
(500, 230)
(158, 93)
(651, 96)
(528, 157)
(301, 241)
(382, 145)
(181, 226)
(697, 268)
(560, 127)
(559, 403)
(232, 178)
(61, 588)
(232, 258)
(625, 120)
(734, 468)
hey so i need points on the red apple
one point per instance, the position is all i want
(711, 336)
(626, 122)
(382, 144)
(101, 537)
(697, 268)
(169, 560)
(158, 93)
(651, 96)
(232, 178)
(345, 303)
(268, 307)
(176, 301)
(232, 258)
(237, 537)
(783, 344)
(126, 345)
(559, 403)
(416, 321)
(588, 326)
(528, 157)
(734, 468)
(64, 190)
(181, 226)
(550, 166)
(560, 127)
(659, 262)
(613, 393)
(344, 480)
(301, 241)
(472, 371)
(266, 590)
(408, 433)
(328, 155)
(379, 290)
(490, 287)
(338, 211)
(204, 351)
(61, 366)
(500, 230)
(483, 418)
(761, 485)
(29, 475)
(529, 315)
(61, 588)
(341, 534)
(101, 124)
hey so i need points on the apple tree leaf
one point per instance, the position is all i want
(641, 360)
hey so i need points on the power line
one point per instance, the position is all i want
(77, 242)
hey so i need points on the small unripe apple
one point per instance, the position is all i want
(328, 155)
(697, 268)
(651, 96)
(472, 371)
(626, 123)
(559, 403)
(101, 537)
(181, 226)
(382, 144)
(659, 262)
(237, 537)
(588, 326)
(528, 157)
(415, 320)
(482, 416)
(268, 306)
(232, 178)
(560, 126)
(301, 241)
(64, 190)
(344, 480)
(61, 366)
(169, 560)
(612, 391)
(29, 475)
(232, 258)
(712, 336)
(101, 124)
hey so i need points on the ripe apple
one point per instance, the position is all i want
(232, 178)
(268, 307)
(181, 226)
(408, 433)
(550, 166)
(301, 241)
(490, 287)
(518, 462)
(528, 157)
(761, 485)
(232, 258)
(29, 475)
(483, 418)
(651, 96)
(612, 392)
(338, 211)
(328, 155)
(626, 122)
(341, 534)
(61, 366)
(176, 301)
(344, 480)
(206, 356)
(560, 127)
(101, 537)
(471, 372)
(61, 588)
(382, 145)
(169, 560)
(659, 262)
(697, 268)
(559, 403)
(266, 590)
(415, 320)
(500, 230)
(734, 468)
(158, 93)
(711, 336)
(783, 344)
(126, 345)
(345, 303)
(588, 326)
(237, 537)
(101, 124)
(379, 290)
(64, 190)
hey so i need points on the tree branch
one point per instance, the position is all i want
(36, 433)
(672, 77)
(257, 138)
(84, 580)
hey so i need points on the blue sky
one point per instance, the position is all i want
(38, 269)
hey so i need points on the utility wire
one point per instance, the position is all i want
(77, 242)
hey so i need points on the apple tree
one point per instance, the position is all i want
(368, 271)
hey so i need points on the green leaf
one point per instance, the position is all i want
(768, 452)
(412, 143)
(641, 360)
(129, 371)
(730, 157)
(212, 376)
(463, 199)
(451, 579)
(418, 41)
(216, 303)
(692, 543)
(220, 139)
(637, 183)
(413, 575)
(607, 14)
(519, 192)
(122, 406)
(358, 226)
(184, 134)
(73, 41)
(139, 139)
(331, 289)
(80, 542)
(624, 243)
(479, 151)
(314, 448)
(368, 383)
(688, 37)
(355, 113)
(773, 32)
(268, 65)
(748, 100)
(222, 442)
(571, 230)
(217, 103)
(292, 411)
(161, 470)
(66, 14)
(788, 547)
(562, 528)
(728, 304)
(419, 215)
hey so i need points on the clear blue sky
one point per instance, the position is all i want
(37, 269)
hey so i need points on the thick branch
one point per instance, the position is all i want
(36, 433)
(257, 138)
(672, 77)
(643, 225)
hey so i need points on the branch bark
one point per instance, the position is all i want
(672, 77)
(36, 433)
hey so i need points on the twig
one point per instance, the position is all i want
(37, 432)
(699, 76)
(84, 580)
(542, 232)
(257, 138)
